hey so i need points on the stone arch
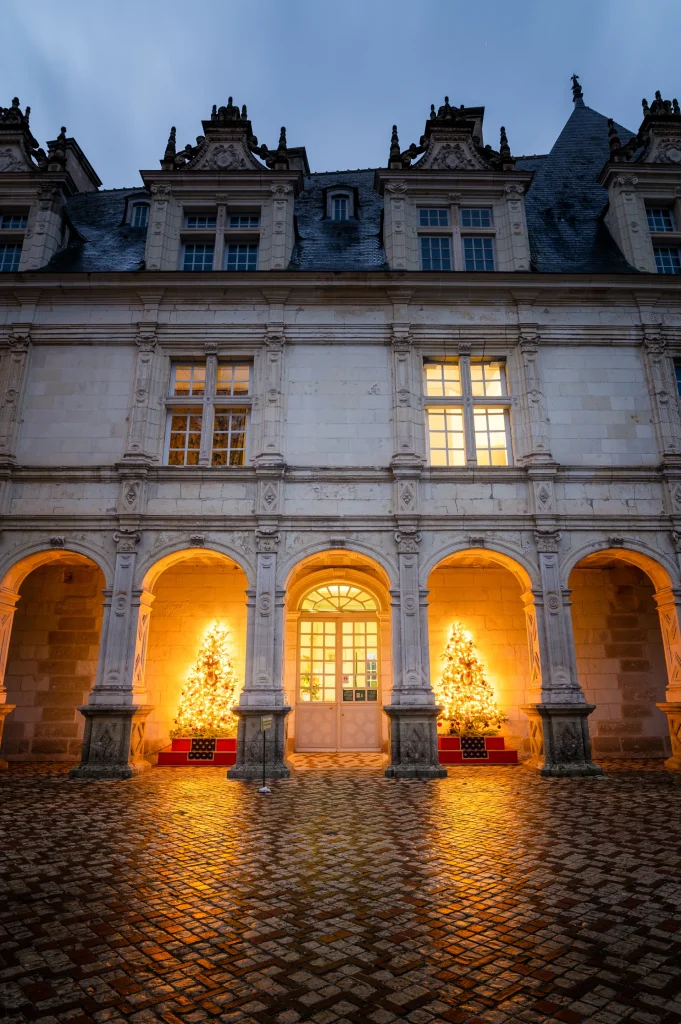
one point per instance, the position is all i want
(15, 567)
(50, 629)
(627, 640)
(191, 588)
(153, 564)
(290, 564)
(298, 591)
(510, 557)
(490, 593)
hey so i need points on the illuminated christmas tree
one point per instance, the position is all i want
(467, 699)
(211, 690)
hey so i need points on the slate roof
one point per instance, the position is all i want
(565, 207)
(565, 204)
(325, 244)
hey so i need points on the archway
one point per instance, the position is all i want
(484, 591)
(620, 651)
(191, 589)
(52, 649)
(338, 667)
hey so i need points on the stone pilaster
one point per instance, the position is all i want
(263, 692)
(669, 608)
(163, 233)
(116, 711)
(412, 711)
(663, 397)
(143, 423)
(395, 216)
(13, 384)
(270, 450)
(45, 228)
(559, 734)
(8, 603)
(516, 226)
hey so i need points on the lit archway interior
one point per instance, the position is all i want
(482, 590)
(53, 654)
(338, 667)
(192, 590)
(620, 655)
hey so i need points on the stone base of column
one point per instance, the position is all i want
(559, 740)
(413, 742)
(113, 744)
(5, 709)
(249, 744)
(673, 713)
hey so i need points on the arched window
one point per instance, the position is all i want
(140, 215)
(338, 597)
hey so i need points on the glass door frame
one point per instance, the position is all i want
(338, 618)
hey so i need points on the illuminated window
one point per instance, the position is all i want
(338, 597)
(208, 411)
(455, 437)
(318, 661)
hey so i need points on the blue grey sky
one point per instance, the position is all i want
(337, 74)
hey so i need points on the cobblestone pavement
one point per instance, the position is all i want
(490, 896)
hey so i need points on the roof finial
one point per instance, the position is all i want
(168, 161)
(577, 94)
(504, 148)
(614, 141)
(280, 156)
(395, 159)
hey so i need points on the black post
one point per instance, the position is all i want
(264, 748)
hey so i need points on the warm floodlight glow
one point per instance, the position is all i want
(211, 690)
(467, 699)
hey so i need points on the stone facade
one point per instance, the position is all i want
(558, 548)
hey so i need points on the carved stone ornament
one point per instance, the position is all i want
(197, 540)
(477, 540)
(57, 542)
(161, 191)
(401, 340)
(269, 499)
(274, 338)
(616, 542)
(666, 151)
(210, 348)
(627, 182)
(19, 337)
(464, 348)
(10, 161)
(452, 156)
(547, 541)
(337, 542)
(47, 194)
(676, 540)
(126, 541)
(145, 339)
(514, 193)
(653, 340)
(407, 541)
(529, 340)
(225, 156)
(281, 191)
(266, 541)
(131, 494)
(396, 188)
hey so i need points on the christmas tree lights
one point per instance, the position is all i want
(211, 690)
(467, 698)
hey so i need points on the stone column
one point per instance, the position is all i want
(263, 692)
(559, 732)
(8, 603)
(669, 605)
(413, 712)
(113, 745)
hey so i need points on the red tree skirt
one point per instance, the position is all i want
(474, 750)
(199, 752)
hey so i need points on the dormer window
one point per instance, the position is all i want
(140, 215)
(340, 205)
(200, 220)
(476, 217)
(433, 218)
(340, 208)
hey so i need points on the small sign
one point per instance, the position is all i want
(265, 722)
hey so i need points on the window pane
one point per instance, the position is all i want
(189, 380)
(200, 220)
(476, 217)
(660, 218)
(140, 215)
(487, 379)
(229, 437)
(244, 220)
(677, 371)
(241, 256)
(9, 258)
(446, 437)
(184, 437)
(478, 252)
(435, 252)
(198, 257)
(434, 218)
(443, 380)
(13, 220)
(491, 444)
(340, 208)
(668, 260)
(233, 379)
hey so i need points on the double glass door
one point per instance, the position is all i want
(338, 705)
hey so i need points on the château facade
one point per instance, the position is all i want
(337, 413)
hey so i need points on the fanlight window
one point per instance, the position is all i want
(339, 597)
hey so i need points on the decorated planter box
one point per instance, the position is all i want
(474, 750)
(199, 752)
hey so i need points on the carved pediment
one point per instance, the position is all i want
(13, 158)
(664, 149)
(224, 155)
(455, 153)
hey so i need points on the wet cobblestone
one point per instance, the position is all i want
(490, 896)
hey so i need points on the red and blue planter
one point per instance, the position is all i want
(198, 752)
